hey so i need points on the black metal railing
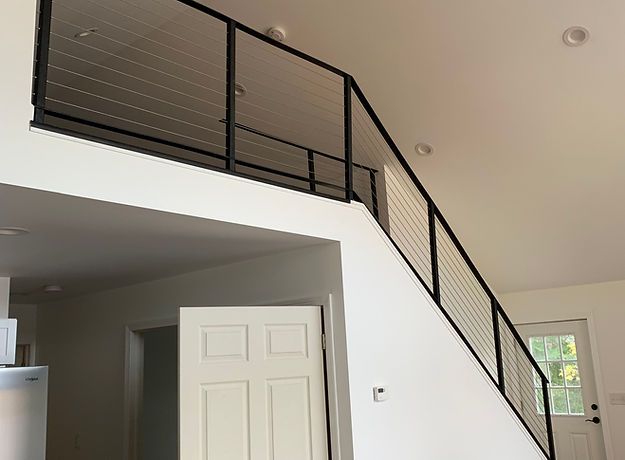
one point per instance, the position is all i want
(176, 79)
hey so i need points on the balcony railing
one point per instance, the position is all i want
(176, 79)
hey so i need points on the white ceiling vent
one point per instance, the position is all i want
(424, 149)
(575, 36)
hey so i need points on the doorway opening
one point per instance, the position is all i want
(151, 429)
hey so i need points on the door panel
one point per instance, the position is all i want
(562, 350)
(289, 418)
(581, 446)
(252, 384)
(228, 433)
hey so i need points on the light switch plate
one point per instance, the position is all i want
(8, 342)
(380, 393)
(617, 399)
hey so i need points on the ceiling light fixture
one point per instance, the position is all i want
(277, 33)
(239, 90)
(13, 231)
(52, 288)
(575, 36)
(424, 149)
(86, 32)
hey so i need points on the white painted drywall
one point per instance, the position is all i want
(604, 305)
(5, 289)
(441, 406)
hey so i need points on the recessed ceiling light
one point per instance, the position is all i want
(52, 288)
(575, 36)
(239, 90)
(86, 32)
(424, 149)
(277, 34)
(13, 231)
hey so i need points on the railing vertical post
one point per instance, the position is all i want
(347, 112)
(436, 289)
(43, 48)
(498, 353)
(548, 425)
(312, 177)
(231, 41)
(374, 194)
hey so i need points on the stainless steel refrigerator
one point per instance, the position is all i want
(23, 413)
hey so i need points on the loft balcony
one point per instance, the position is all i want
(178, 80)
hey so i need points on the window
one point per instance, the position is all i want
(557, 357)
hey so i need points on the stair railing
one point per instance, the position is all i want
(176, 79)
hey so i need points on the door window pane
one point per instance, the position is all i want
(537, 346)
(569, 350)
(571, 374)
(556, 375)
(553, 348)
(557, 357)
(558, 401)
(576, 405)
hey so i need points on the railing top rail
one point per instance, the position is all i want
(289, 49)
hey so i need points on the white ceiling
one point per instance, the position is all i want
(86, 245)
(529, 134)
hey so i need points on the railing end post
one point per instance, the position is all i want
(231, 40)
(436, 288)
(548, 424)
(347, 112)
(498, 349)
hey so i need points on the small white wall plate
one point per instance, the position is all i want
(380, 393)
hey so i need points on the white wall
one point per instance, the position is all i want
(604, 304)
(441, 406)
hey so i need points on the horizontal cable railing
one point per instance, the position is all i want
(176, 79)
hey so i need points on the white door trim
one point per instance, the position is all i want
(133, 381)
(596, 361)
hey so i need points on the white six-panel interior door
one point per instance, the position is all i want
(252, 384)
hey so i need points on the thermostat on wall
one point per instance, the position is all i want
(380, 394)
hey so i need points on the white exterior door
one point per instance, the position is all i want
(562, 349)
(252, 384)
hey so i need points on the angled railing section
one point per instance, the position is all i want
(174, 78)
